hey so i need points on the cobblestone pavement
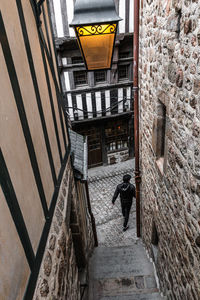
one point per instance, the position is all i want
(109, 221)
(119, 267)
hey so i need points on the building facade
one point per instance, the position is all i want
(170, 142)
(99, 103)
(46, 231)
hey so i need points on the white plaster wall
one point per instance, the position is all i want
(131, 16)
(89, 104)
(70, 15)
(69, 96)
(58, 18)
(122, 15)
(107, 96)
(98, 103)
(80, 106)
(67, 81)
(120, 97)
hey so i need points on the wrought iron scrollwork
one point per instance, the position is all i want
(96, 30)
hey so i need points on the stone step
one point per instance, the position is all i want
(151, 296)
(116, 262)
(122, 273)
(126, 285)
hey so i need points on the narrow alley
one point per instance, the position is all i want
(119, 267)
(93, 90)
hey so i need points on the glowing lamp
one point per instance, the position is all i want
(95, 23)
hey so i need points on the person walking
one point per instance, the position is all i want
(126, 190)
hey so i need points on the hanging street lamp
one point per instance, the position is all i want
(95, 23)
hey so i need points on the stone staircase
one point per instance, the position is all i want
(122, 273)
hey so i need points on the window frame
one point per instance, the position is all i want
(78, 58)
(101, 81)
(79, 84)
(159, 136)
(124, 54)
(126, 77)
(116, 137)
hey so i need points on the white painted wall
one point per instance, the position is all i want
(70, 15)
(64, 61)
(107, 96)
(128, 96)
(98, 103)
(69, 97)
(122, 15)
(58, 18)
(80, 106)
(131, 16)
(67, 82)
(89, 104)
(120, 98)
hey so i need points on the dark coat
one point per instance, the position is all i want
(126, 191)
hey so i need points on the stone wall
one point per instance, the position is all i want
(59, 276)
(170, 76)
(118, 156)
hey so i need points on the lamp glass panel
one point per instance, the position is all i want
(98, 51)
(97, 43)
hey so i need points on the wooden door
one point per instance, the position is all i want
(94, 147)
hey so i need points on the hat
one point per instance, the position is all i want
(126, 177)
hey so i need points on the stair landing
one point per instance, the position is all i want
(122, 273)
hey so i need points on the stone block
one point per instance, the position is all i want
(196, 86)
(187, 26)
(179, 78)
(139, 282)
(52, 242)
(47, 264)
(150, 282)
(44, 288)
(172, 72)
(173, 23)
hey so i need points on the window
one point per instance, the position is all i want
(116, 136)
(99, 76)
(123, 72)
(154, 240)
(159, 132)
(123, 55)
(80, 78)
(77, 60)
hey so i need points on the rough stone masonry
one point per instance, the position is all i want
(58, 278)
(59, 274)
(170, 142)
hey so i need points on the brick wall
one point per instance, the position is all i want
(170, 78)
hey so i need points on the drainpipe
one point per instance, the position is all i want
(136, 111)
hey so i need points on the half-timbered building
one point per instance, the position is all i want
(99, 103)
(45, 216)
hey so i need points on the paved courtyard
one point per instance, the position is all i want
(109, 221)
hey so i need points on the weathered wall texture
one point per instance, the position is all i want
(34, 148)
(13, 143)
(69, 244)
(59, 274)
(117, 157)
(170, 78)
